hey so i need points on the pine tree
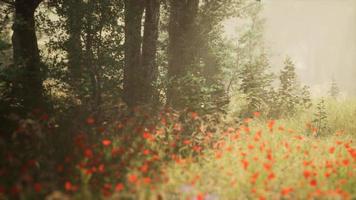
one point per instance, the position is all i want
(320, 121)
(255, 84)
(288, 91)
(305, 97)
(334, 91)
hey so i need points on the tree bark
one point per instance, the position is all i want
(149, 49)
(74, 44)
(26, 54)
(133, 79)
(182, 52)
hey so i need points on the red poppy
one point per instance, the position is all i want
(271, 176)
(331, 150)
(88, 153)
(313, 182)
(119, 187)
(68, 186)
(200, 196)
(146, 152)
(286, 191)
(132, 178)
(270, 125)
(307, 173)
(147, 180)
(90, 120)
(106, 142)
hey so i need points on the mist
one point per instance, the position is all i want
(320, 37)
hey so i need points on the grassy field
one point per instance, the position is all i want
(178, 156)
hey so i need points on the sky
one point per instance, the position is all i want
(319, 35)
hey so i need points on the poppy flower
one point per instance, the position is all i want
(106, 142)
(119, 187)
(313, 182)
(286, 191)
(132, 178)
(90, 120)
(88, 153)
(307, 173)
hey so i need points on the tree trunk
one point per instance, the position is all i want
(74, 44)
(181, 50)
(149, 49)
(133, 77)
(26, 54)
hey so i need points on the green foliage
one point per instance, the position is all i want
(320, 120)
(288, 91)
(255, 84)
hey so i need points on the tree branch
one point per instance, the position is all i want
(9, 2)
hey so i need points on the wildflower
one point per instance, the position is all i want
(267, 166)
(106, 142)
(187, 142)
(88, 153)
(286, 191)
(256, 114)
(218, 155)
(313, 183)
(245, 164)
(200, 196)
(270, 125)
(146, 152)
(147, 136)
(119, 187)
(271, 176)
(147, 180)
(144, 168)
(70, 187)
(90, 120)
(132, 178)
(346, 162)
(101, 168)
(307, 173)
(194, 115)
(197, 148)
(331, 150)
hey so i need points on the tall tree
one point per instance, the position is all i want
(26, 54)
(182, 51)
(74, 22)
(140, 63)
(149, 48)
(288, 91)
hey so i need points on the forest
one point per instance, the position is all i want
(149, 99)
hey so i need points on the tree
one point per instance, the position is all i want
(253, 65)
(182, 51)
(288, 90)
(334, 91)
(28, 84)
(140, 63)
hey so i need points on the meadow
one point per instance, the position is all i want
(187, 156)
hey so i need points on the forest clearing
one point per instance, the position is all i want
(177, 99)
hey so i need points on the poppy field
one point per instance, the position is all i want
(178, 156)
